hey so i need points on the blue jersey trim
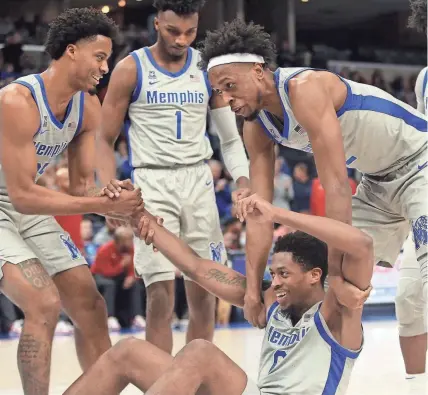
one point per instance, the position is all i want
(127, 126)
(335, 347)
(335, 373)
(57, 123)
(265, 129)
(356, 102)
(271, 309)
(138, 86)
(81, 111)
(33, 93)
(166, 72)
(207, 83)
(425, 83)
(287, 80)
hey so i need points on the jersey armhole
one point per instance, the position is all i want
(425, 83)
(33, 94)
(81, 111)
(335, 346)
(207, 83)
(138, 86)
(271, 310)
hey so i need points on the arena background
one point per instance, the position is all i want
(365, 40)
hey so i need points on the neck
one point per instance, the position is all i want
(60, 90)
(271, 100)
(297, 311)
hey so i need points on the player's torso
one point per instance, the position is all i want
(302, 359)
(379, 131)
(168, 113)
(51, 137)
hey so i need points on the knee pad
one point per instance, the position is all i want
(410, 307)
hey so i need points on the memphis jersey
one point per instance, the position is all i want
(303, 359)
(421, 91)
(167, 116)
(379, 132)
(51, 136)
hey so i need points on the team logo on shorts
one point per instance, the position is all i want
(71, 247)
(216, 251)
(420, 232)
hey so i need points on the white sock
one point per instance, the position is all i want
(421, 377)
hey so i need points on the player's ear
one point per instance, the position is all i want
(71, 51)
(259, 71)
(316, 274)
(156, 23)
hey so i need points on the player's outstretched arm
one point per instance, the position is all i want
(115, 105)
(259, 236)
(219, 280)
(19, 164)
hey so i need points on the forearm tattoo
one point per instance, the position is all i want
(224, 278)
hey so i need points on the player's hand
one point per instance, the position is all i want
(255, 208)
(347, 294)
(129, 203)
(145, 232)
(239, 194)
(255, 311)
(114, 187)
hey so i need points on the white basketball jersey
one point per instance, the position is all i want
(52, 136)
(167, 116)
(421, 91)
(379, 131)
(304, 358)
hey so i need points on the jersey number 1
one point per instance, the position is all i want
(178, 116)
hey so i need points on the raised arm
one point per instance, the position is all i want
(225, 283)
(259, 236)
(115, 105)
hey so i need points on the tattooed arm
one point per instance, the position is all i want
(219, 280)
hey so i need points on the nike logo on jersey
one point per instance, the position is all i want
(208, 183)
(153, 82)
(420, 167)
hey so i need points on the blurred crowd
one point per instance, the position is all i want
(109, 251)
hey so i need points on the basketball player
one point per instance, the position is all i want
(410, 307)
(41, 115)
(301, 335)
(166, 98)
(343, 123)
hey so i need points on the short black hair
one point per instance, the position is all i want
(77, 24)
(180, 7)
(418, 17)
(306, 250)
(237, 37)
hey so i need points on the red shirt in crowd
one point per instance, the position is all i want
(108, 261)
(71, 224)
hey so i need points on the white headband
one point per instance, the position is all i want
(234, 58)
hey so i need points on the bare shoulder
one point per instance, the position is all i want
(16, 100)
(91, 112)
(126, 70)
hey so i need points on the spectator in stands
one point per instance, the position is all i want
(114, 272)
(222, 189)
(87, 235)
(105, 234)
(302, 185)
(378, 80)
(12, 51)
(283, 186)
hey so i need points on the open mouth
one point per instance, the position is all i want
(96, 78)
(280, 297)
(237, 110)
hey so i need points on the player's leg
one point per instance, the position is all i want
(411, 312)
(27, 284)
(79, 295)
(201, 230)
(201, 368)
(159, 188)
(129, 361)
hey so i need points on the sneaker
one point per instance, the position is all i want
(16, 327)
(113, 324)
(64, 328)
(139, 322)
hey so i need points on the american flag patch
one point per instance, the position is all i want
(72, 125)
(299, 129)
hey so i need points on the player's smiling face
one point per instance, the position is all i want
(240, 85)
(176, 32)
(90, 58)
(292, 284)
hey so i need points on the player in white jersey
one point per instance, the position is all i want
(343, 123)
(166, 97)
(307, 329)
(41, 115)
(411, 309)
